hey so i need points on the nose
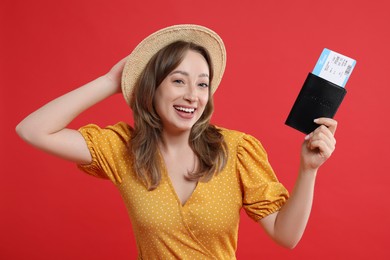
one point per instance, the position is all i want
(191, 94)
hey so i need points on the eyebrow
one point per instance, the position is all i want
(202, 75)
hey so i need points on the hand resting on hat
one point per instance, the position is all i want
(115, 74)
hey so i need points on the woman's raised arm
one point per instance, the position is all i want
(46, 127)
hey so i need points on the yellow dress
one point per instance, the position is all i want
(206, 226)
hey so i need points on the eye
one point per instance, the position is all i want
(178, 81)
(204, 85)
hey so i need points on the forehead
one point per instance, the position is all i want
(193, 60)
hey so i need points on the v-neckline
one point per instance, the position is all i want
(181, 203)
(172, 187)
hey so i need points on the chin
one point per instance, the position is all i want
(184, 127)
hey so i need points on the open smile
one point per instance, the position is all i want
(185, 109)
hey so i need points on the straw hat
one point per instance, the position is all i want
(200, 35)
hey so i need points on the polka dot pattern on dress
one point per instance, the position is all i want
(206, 226)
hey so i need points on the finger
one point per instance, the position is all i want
(323, 132)
(322, 135)
(324, 149)
(328, 122)
(120, 64)
(321, 143)
(123, 61)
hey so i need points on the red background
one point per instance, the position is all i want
(50, 210)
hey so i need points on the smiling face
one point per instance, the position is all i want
(182, 96)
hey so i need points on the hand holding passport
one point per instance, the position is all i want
(322, 92)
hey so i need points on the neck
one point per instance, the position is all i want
(178, 141)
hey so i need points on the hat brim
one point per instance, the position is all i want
(140, 56)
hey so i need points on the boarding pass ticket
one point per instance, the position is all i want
(334, 67)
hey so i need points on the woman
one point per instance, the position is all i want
(183, 180)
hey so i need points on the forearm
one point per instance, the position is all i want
(286, 226)
(57, 114)
(292, 219)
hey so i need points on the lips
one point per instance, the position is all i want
(189, 110)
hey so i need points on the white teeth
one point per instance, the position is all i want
(187, 110)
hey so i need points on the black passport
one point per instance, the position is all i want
(317, 98)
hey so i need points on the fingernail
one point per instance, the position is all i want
(307, 137)
(316, 120)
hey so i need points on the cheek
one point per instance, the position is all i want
(159, 107)
(204, 98)
(157, 104)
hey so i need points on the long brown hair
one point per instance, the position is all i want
(205, 139)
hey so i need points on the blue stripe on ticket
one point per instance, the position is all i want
(321, 61)
(334, 67)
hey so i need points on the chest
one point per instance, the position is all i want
(177, 170)
(215, 205)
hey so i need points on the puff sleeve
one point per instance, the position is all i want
(109, 150)
(262, 193)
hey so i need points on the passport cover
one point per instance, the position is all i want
(317, 98)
